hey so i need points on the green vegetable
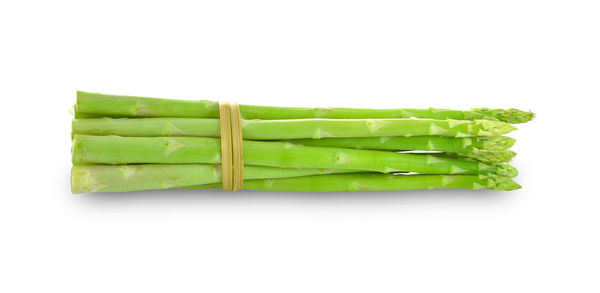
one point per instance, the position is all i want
(291, 129)
(101, 105)
(489, 157)
(414, 143)
(492, 150)
(176, 150)
(127, 143)
(374, 181)
(113, 178)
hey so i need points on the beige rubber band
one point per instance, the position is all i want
(232, 158)
(226, 156)
(237, 146)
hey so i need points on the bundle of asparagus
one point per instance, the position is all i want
(126, 143)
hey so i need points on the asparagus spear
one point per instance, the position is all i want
(174, 150)
(374, 181)
(101, 105)
(469, 147)
(414, 143)
(291, 129)
(113, 178)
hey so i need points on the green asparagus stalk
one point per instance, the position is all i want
(101, 105)
(176, 150)
(291, 129)
(414, 143)
(116, 178)
(492, 150)
(374, 181)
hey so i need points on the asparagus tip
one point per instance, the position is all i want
(499, 182)
(511, 115)
(498, 143)
(494, 128)
(506, 185)
(491, 157)
(507, 171)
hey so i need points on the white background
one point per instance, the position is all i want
(538, 55)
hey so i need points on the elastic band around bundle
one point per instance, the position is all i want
(232, 156)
